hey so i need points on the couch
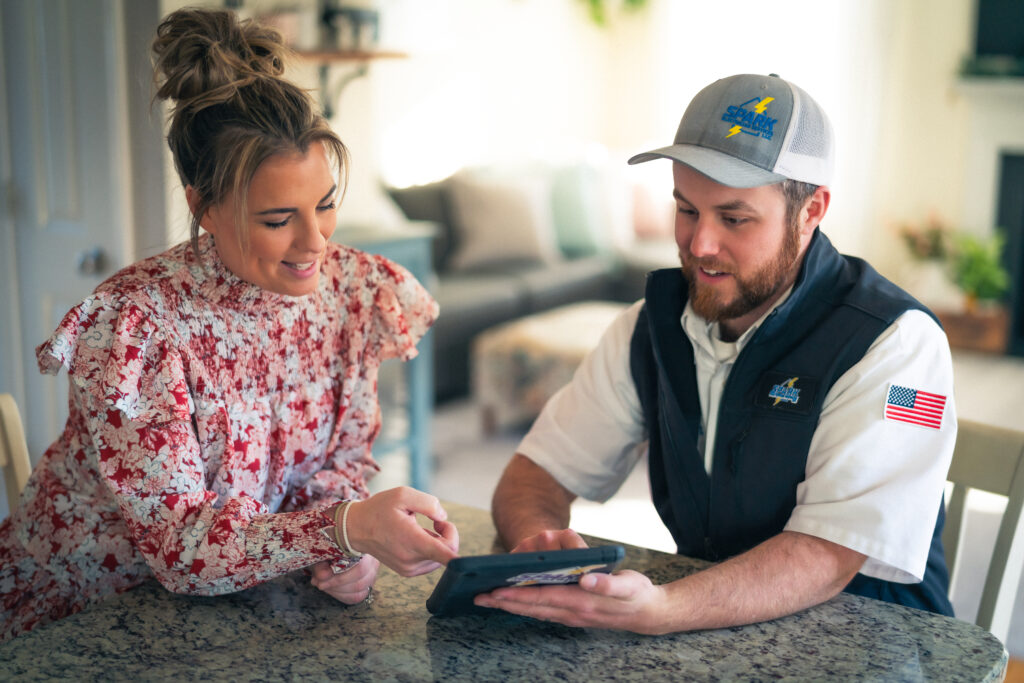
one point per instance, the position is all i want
(513, 243)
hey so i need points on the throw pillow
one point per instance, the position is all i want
(576, 205)
(429, 202)
(500, 220)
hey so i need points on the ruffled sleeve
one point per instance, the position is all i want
(403, 311)
(114, 350)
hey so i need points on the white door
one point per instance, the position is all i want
(64, 159)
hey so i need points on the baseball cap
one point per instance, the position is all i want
(750, 130)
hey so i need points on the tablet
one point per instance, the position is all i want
(465, 577)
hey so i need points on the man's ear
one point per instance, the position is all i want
(192, 198)
(814, 210)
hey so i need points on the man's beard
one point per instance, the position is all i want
(752, 291)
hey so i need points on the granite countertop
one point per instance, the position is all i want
(287, 630)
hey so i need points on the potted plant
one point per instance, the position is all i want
(598, 9)
(977, 269)
(926, 273)
(927, 242)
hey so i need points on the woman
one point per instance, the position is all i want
(223, 394)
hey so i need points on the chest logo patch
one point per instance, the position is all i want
(786, 392)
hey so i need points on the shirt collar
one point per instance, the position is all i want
(706, 335)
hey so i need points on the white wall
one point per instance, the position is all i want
(487, 81)
(923, 138)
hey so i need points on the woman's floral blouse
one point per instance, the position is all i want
(210, 421)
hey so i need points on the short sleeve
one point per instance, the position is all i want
(875, 484)
(113, 349)
(403, 311)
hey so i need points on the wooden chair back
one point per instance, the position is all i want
(989, 458)
(13, 451)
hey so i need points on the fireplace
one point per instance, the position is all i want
(1010, 218)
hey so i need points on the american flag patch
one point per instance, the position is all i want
(914, 406)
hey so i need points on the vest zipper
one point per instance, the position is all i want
(709, 550)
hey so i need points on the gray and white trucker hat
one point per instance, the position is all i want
(750, 130)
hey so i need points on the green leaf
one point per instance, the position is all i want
(978, 267)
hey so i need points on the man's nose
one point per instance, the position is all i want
(705, 240)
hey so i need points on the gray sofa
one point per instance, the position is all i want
(474, 299)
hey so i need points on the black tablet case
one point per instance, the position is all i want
(466, 577)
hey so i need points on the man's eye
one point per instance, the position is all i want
(686, 212)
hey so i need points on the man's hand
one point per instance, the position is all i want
(785, 574)
(527, 501)
(350, 586)
(385, 526)
(625, 600)
(564, 539)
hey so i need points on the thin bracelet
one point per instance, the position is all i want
(344, 530)
(337, 512)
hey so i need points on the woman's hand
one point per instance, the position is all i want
(385, 526)
(350, 586)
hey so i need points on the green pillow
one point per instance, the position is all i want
(576, 202)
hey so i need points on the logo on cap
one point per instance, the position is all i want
(750, 118)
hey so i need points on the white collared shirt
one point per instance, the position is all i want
(714, 359)
(871, 484)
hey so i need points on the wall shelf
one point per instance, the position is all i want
(328, 56)
(991, 87)
(325, 58)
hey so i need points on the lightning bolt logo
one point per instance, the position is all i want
(759, 109)
(789, 382)
(753, 121)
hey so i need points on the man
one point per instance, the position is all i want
(797, 407)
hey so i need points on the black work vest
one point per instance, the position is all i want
(768, 412)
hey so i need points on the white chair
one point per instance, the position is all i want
(13, 450)
(990, 459)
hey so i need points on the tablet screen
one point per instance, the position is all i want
(465, 577)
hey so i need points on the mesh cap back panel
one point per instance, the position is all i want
(807, 153)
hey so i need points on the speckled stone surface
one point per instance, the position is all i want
(288, 630)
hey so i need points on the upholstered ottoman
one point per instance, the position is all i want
(517, 366)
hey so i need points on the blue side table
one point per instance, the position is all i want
(409, 246)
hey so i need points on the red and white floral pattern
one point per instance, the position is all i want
(210, 421)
